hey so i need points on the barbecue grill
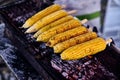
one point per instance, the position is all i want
(41, 59)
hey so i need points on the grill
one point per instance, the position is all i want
(102, 66)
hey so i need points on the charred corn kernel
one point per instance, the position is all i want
(59, 21)
(84, 49)
(41, 14)
(45, 36)
(66, 35)
(73, 41)
(46, 20)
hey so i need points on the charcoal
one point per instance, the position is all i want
(86, 69)
(95, 29)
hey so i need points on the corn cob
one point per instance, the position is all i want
(66, 35)
(84, 49)
(73, 41)
(45, 36)
(59, 21)
(41, 14)
(46, 20)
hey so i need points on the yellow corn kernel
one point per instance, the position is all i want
(84, 49)
(66, 35)
(59, 21)
(45, 36)
(46, 20)
(73, 41)
(41, 14)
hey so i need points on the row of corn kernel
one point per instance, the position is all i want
(62, 32)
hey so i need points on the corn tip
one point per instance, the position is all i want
(25, 26)
(63, 57)
(34, 36)
(25, 32)
(30, 30)
(37, 40)
(21, 27)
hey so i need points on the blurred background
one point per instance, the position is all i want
(104, 14)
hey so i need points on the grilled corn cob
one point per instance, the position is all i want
(41, 14)
(73, 41)
(45, 36)
(46, 20)
(66, 35)
(84, 49)
(59, 21)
